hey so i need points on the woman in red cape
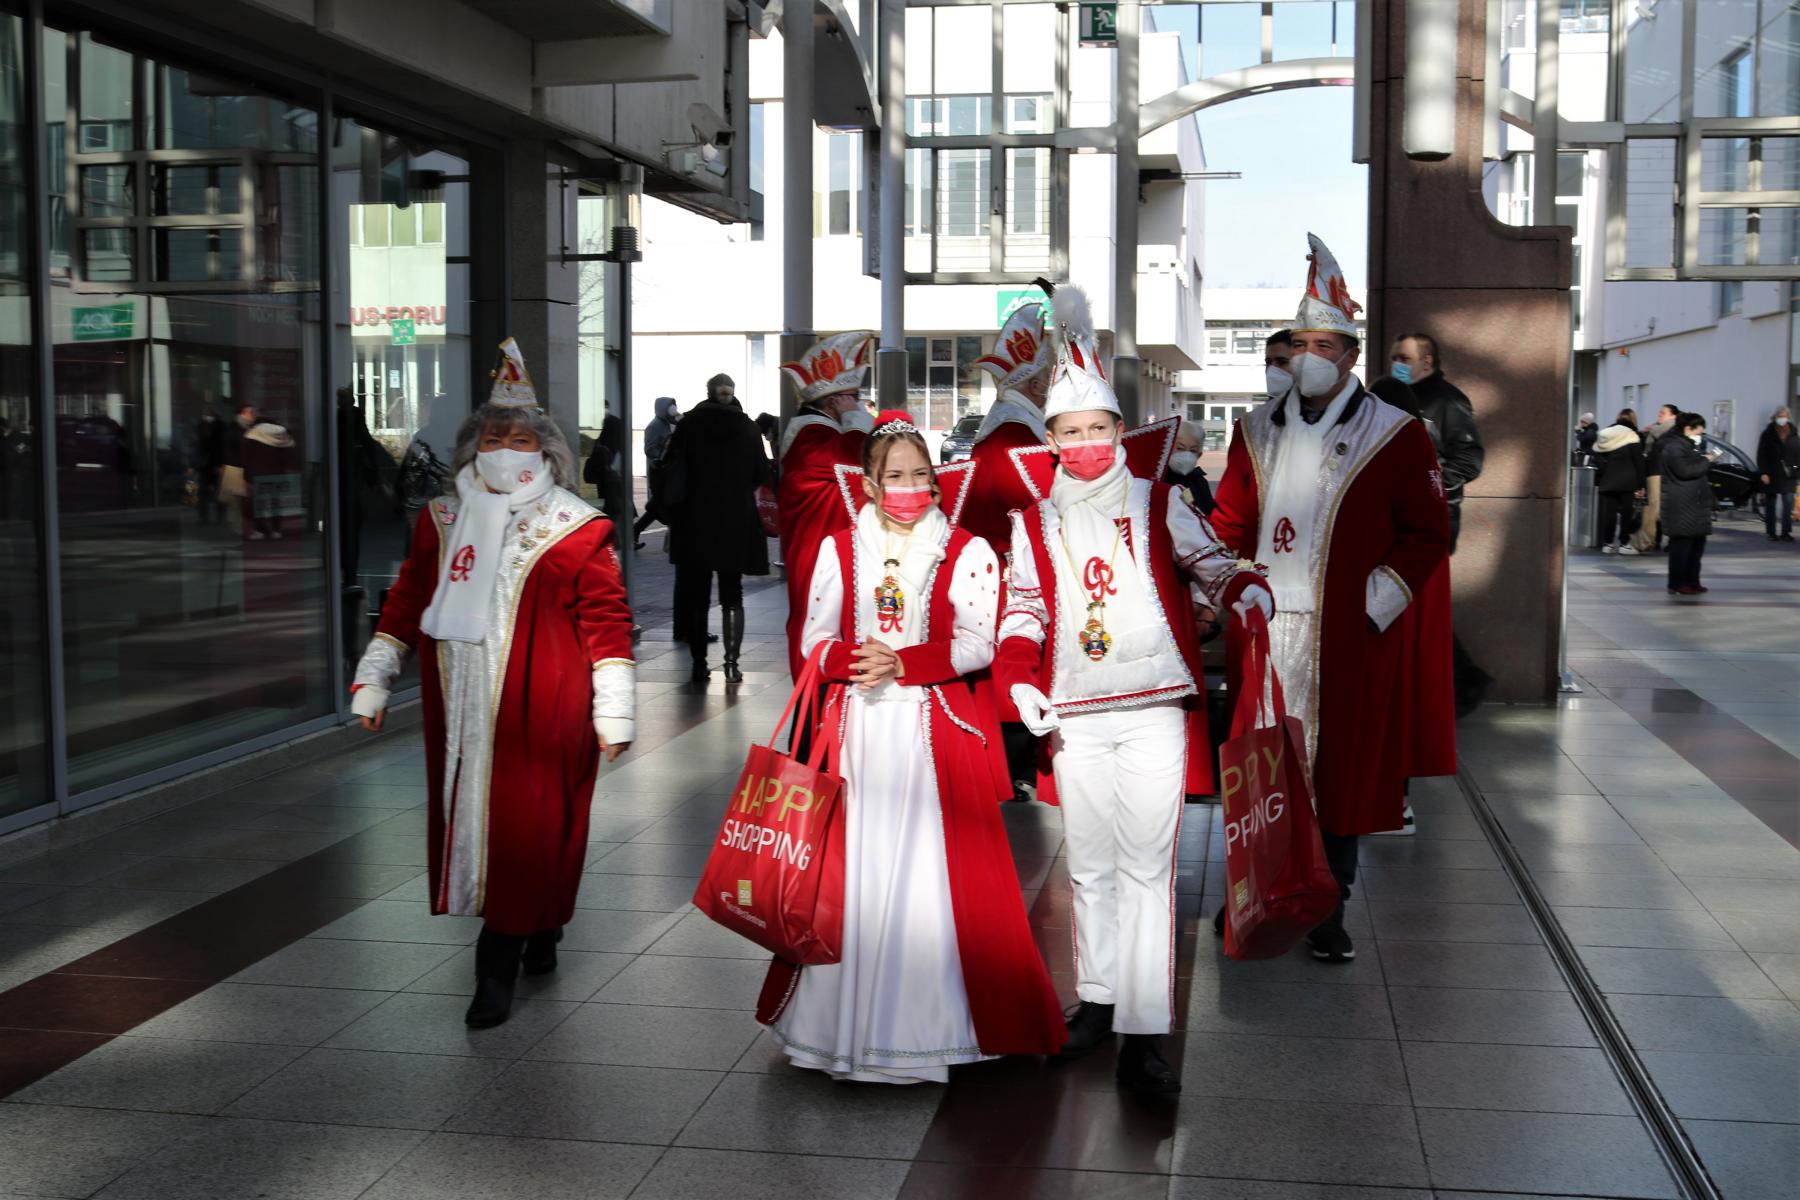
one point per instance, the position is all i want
(938, 964)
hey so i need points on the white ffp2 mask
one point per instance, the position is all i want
(509, 470)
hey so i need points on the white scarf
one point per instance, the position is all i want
(1291, 499)
(471, 562)
(1015, 408)
(919, 552)
(1089, 511)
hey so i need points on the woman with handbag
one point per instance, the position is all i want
(938, 965)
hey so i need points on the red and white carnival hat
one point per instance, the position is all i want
(1021, 350)
(1326, 307)
(1078, 380)
(835, 365)
(512, 382)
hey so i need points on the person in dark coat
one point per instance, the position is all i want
(715, 464)
(1619, 461)
(1184, 470)
(656, 443)
(1687, 503)
(1649, 534)
(1587, 432)
(1778, 468)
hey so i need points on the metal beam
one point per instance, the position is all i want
(1235, 85)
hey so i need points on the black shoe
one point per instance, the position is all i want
(540, 952)
(1219, 922)
(1330, 943)
(496, 974)
(491, 1006)
(1143, 1069)
(700, 674)
(733, 619)
(1787, 537)
(1090, 1025)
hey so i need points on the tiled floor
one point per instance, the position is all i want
(251, 999)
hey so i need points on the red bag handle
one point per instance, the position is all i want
(1258, 660)
(805, 698)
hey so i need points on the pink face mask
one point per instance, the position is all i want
(906, 504)
(1087, 460)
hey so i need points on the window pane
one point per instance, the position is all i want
(106, 191)
(405, 226)
(1724, 236)
(1779, 244)
(108, 254)
(920, 207)
(106, 99)
(1650, 202)
(431, 223)
(1724, 164)
(962, 210)
(963, 58)
(374, 224)
(1028, 210)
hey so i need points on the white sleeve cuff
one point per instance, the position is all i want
(615, 700)
(369, 701)
(615, 731)
(1385, 597)
(380, 664)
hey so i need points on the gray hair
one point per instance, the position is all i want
(511, 416)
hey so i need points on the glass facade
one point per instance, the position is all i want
(239, 326)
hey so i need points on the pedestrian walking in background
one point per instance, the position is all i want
(1184, 471)
(1778, 466)
(656, 445)
(714, 463)
(609, 482)
(1687, 503)
(512, 600)
(1649, 531)
(1587, 431)
(1619, 458)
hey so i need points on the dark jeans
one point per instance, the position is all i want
(1615, 517)
(1684, 560)
(1340, 852)
(693, 597)
(1779, 506)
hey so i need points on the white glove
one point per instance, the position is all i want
(369, 701)
(1254, 596)
(1035, 712)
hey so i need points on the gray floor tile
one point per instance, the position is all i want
(1552, 857)
(1436, 884)
(1660, 889)
(614, 931)
(687, 983)
(1300, 1009)
(1470, 965)
(1678, 972)
(1556, 1079)
(805, 1113)
(459, 1166)
(684, 1173)
(18, 895)
(243, 1012)
(1439, 853)
(1404, 921)
(1296, 966)
(641, 1036)
(1709, 1025)
(154, 1075)
(1748, 1162)
(118, 912)
(77, 865)
(1747, 895)
(586, 1102)
(1727, 1087)
(209, 875)
(1784, 969)
(1664, 928)
(1767, 931)
(1542, 1152)
(680, 831)
(358, 1087)
(424, 1023)
(1733, 862)
(308, 817)
(578, 975)
(231, 1159)
(647, 858)
(696, 935)
(402, 921)
(1342, 1070)
(1181, 1188)
(1563, 820)
(646, 893)
(417, 890)
(1324, 1143)
(1478, 1015)
(342, 963)
(75, 1151)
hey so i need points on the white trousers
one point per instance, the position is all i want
(1120, 776)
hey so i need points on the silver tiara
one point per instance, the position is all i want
(895, 426)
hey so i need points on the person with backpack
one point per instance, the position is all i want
(1619, 460)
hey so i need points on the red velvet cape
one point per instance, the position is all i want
(812, 509)
(999, 488)
(572, 614)
(1010, 995)
(1374, 721)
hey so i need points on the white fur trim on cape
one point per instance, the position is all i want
(802, 422)
(1015, 409)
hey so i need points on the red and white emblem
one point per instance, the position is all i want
(526, 477)
(462, 564)
(1285, 536)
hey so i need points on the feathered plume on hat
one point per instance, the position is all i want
(1326, 307)
(1021, 350)
(512, 382)
(1078, 380)
(834, 365)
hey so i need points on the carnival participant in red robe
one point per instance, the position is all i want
(1340, 495)
(938, 966)
(826, 434)
(1099, 645)
(511, 597)
(1020, 366)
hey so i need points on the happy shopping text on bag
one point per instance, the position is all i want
(757, 795)
(1262, 766)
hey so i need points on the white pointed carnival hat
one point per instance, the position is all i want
(1326, 307)
(834, 365)
(1021, 350)
(1078, 378)
(512, 382)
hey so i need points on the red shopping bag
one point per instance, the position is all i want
(776, 872)
(1278, 883)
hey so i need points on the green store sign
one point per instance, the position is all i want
(1008, 301)
(104, 324)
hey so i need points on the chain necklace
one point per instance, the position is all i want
(1097, 582)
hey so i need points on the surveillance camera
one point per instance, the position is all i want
(708, 125)
(722, 139)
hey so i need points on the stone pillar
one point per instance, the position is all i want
(890, 359)
(1496, 298)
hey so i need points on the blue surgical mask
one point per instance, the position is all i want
(1402, 372)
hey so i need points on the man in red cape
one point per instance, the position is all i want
(1340, 495)
(826, 434)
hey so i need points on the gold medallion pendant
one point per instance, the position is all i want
(1095, 641)
(890, 601)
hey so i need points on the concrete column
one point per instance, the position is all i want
(797, 186)
(1126, 368)
(890, 359)
(1496, 298)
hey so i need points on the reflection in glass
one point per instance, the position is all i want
(188, 454)
(1653, 63)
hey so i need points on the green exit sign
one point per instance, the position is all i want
(1099, 24)
(403, 331)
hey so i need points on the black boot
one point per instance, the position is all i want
(1330, 942)
(734, 644)
(540, 952)
(1089, 1026)
(701, 673)
(1142, 1067)
(496, 974)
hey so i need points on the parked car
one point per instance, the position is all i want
(959, 443)
(1732, 476)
